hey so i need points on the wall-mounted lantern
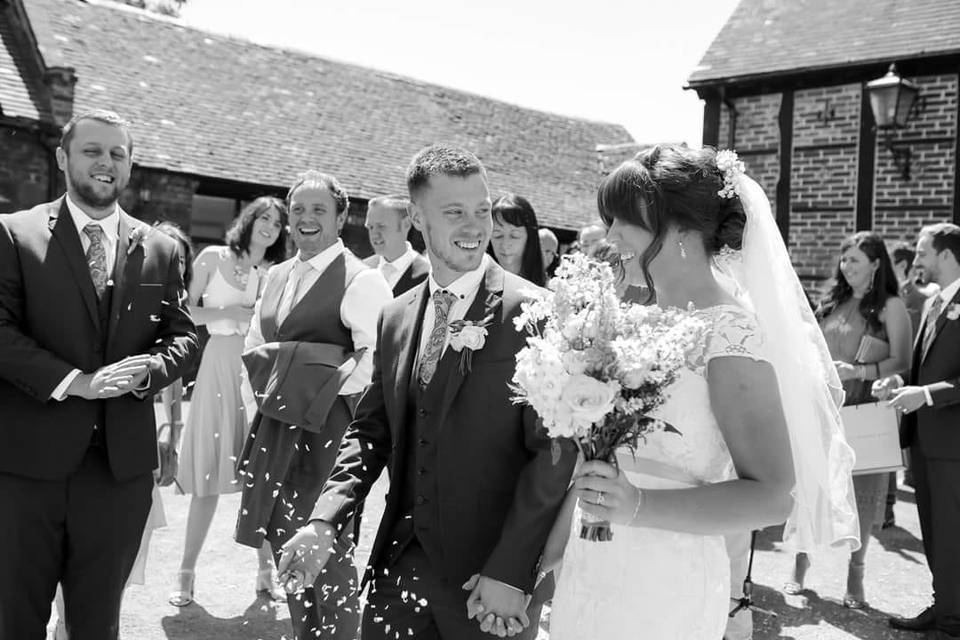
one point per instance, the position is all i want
(894, 100)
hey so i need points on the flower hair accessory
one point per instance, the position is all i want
(730, 165)
(466, 337)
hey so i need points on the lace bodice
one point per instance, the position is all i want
(699, 450)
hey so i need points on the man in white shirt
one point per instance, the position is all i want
(930, 403)
(388, 225)
(323, 300)
(93, 322)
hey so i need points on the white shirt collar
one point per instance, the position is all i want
(948, 292)
(322, 260)
(401, 263)
(110, 224)
(465, 285)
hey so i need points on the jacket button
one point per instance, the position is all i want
(422, 442)
(421, 471)
(421, 500)
(423, 413)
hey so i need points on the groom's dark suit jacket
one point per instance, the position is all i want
(936, 430)
(933, 435)
(51, 322)
(484, 480)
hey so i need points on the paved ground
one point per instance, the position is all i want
(226, 607)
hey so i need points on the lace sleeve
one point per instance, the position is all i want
(735, 333)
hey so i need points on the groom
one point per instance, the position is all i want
(475, 484)
(930, 402)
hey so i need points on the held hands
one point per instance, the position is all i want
(112, 380)
(884, 388)
(304, 556)
(500, 608)
(605, 492)
(908, 399)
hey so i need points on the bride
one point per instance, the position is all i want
(759, 437)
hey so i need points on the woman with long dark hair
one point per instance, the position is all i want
(868, 332)
(699, 234)
(225, 287)
(515, 241)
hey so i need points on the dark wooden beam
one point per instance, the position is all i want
(866, 165)
(786, 164)
(711, 121)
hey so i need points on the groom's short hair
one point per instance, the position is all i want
(441, 160)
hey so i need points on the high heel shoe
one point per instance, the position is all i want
(183, 596)
(267, 583)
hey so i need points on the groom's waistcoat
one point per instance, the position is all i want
(419, 491)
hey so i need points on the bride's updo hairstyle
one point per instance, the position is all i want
(672, 186)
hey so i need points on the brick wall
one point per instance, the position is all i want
(824, 165)
(157, 195)
(24, 170)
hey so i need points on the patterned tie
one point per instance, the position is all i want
(290, 291)
(97, 257)
(438, 337)
(930, 328)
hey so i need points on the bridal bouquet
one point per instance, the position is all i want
(595, 368)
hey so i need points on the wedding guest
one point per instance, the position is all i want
(224, 289)
(93, 323)
(550, 248)
(589, 236)
(929, 399)
(318, 315)
(862, 308)
(388, 225)
(515, 242)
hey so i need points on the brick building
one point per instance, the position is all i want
(783, 84)
(218, 120)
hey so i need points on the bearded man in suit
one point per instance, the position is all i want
(930, 403)
(475, 483)
(388, 224)
(93, 322)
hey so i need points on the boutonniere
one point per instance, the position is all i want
(953, 311)
(137, 235)
(467, 336)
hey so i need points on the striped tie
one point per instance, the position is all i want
(438, 337)
(97, 257)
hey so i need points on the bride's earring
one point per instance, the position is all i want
(683, 251)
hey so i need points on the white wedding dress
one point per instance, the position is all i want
(652, 583)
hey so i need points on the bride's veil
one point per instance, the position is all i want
(761, 276)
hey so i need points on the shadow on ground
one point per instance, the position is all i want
(799, 610)
(258, 621)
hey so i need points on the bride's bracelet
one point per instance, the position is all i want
(639, 502)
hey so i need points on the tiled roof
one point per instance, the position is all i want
(773, 36)
(223, 107)
(21, 91)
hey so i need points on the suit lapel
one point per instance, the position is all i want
(68, 237)
(405, 346)
(487, 308)
(941, 321)
(120, 275)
